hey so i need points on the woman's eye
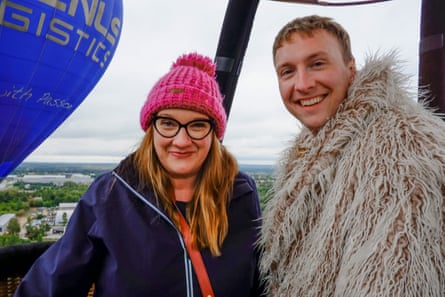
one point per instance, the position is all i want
(168, 123)
(199, 125)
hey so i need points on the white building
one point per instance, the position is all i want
(4, 221)
(58, 180)
(67, 208)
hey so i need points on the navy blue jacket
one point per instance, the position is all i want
(118, 239)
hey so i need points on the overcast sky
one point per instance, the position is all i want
(105, 127)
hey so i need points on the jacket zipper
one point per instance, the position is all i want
(187, 262)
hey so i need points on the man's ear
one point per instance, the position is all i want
(352, 70)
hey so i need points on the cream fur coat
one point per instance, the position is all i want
(358, 209)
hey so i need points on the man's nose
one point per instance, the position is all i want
(303, 81)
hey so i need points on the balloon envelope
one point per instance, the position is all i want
(52, 54)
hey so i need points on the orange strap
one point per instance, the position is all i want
(194, 254)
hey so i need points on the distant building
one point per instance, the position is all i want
(57, 180)
(67, 208)
(4, 221)
(80, 179)
(58, 229)
(36, 223)
(67, 205)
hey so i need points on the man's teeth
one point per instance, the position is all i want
(311, 101)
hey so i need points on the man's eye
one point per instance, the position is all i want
(285, 71)
(318, 64)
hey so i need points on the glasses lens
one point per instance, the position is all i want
(167, 127)
(198, 129)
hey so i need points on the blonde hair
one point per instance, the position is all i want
(307, 25)
(207, 212)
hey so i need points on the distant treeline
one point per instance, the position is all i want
(98, 168)
(63, 168)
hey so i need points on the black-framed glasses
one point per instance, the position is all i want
(169, 128)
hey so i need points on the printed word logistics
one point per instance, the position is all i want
(84, 27)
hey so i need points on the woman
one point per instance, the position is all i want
(126, 237)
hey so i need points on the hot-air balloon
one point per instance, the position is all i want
(52, 54)
(232, 44)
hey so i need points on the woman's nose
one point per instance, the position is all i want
(182, 137)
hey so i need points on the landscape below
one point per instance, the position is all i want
(37, 199)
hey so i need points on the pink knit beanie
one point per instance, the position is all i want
(190, 84)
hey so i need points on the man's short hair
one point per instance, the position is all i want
(307, 26)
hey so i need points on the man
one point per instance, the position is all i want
(357, 208)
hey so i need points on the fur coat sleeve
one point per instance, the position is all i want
(358, 208)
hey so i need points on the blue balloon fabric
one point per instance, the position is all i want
(52, 54)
